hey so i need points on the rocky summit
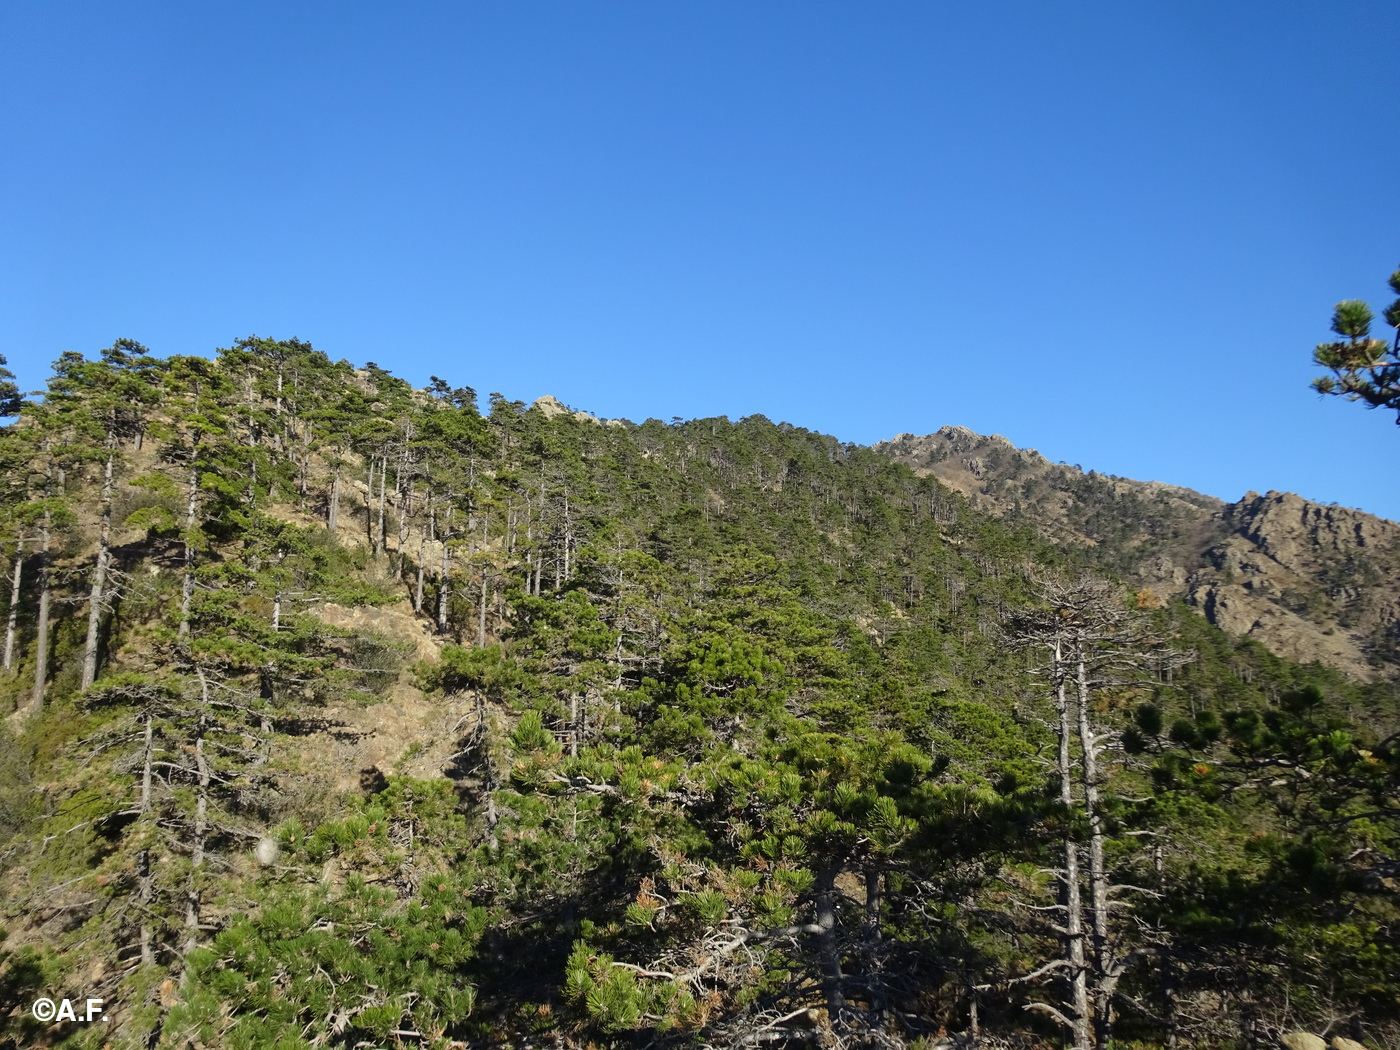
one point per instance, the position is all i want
(1309, 581)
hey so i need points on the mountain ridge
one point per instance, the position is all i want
(1313, 581)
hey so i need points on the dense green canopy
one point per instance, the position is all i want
(709, 733)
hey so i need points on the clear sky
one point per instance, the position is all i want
(1110, 231)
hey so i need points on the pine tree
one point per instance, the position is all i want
(1363, 368)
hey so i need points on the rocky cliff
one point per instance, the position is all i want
(1311, 582)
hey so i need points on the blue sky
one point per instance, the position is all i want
(1110, 231)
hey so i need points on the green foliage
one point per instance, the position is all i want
(1362, 368)
(734, 744)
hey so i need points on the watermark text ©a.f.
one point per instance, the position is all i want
(47, 1010)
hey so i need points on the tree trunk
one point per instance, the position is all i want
(418, 575)
(539, 554)
(873, 948)
(99, 576)
(568, 535)
(481, 615)
(145, 880)
(1105, 980)
(333, 510)
(277, 433)
(529, 547)
(1077, 1001)
(303, 466)
(379, 525)
(15, 592)
(200, 830)
(252, 482)
(41, 641)
(197, 840)
(828, 951)
(403, 530)
(442, 576)
(493, 817)
(369, 504)
(187, 583)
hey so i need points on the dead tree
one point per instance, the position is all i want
(1093, 641)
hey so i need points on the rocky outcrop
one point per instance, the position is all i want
(551, 406)
(1311, 582)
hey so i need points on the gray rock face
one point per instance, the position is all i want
(1310, 582)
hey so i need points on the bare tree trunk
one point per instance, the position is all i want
(145, 883)
(379, 525)
(252, 482)
(493, 817)
(200, 833)
(539, 554)
(187, 583)
(481, 607)
(200, 830)
(442, 575)
(248, 403)
(99, 575)
(1070, 896)
(1103, 965)
(828, 951)
(568, 535)
(277, 432)
(403, 529)
(369, 504)
(303, 467)
(144, 804)
(481, 615)
(529, 547)
(41, 641)
(418, 581)
(873, 948)
(15, 591)
(333, 511)
(617, 661)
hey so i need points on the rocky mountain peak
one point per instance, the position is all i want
(1310, 581)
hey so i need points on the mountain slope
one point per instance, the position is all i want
(1309, 581)
(343, 714)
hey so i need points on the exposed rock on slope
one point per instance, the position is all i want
(551, 406)
(1311, 582)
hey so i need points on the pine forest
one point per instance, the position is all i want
(346, 714)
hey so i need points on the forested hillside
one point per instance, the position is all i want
(352, 715)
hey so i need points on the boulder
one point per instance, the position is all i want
(1302, 1041)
